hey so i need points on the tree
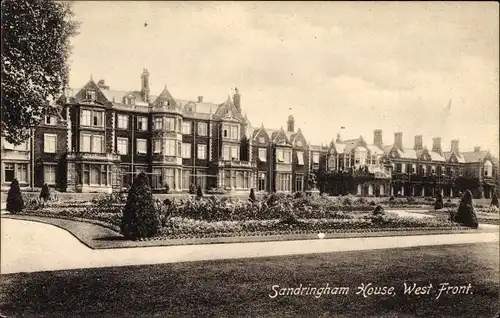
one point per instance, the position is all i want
(45, 193)
(494, 199)
(199, 192)
(35, 52)
(140, 218)
(466, 214)
(252, 197)
(438, 205)
(15, 203)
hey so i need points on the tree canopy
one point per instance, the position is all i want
(35, 50)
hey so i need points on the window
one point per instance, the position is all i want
(299, 143)
(159, 123)
(279, 155)
(315, 158)
(22, 172)
(170, 177)
(91, 95)
(186, 175)
(50, 120)
(9, 172)
(142, 123)
(49, 143)
(403, 168)
(299, 182)
(433, 169)
(170, 124)
(97, 144)
(448, 171)
(141, 146)
(170, 147)
(288, 156)
(92, 118)
(186, 128)
(424, 170)
(49, 174)
(85, 117)
(85, 143)
(125, 176)
(226, 149)
(157, 146)
(413, 168)
(122, 146)
(235, 153)
(225, 132)
(202, 129)
(398, 167)
(488, 169)
(201, 178)
(156, 179)
(262, 140)
(283, 182)
(22, 147)
(262, 181)
(186, 150)
(263, 154)
(122, 121)
(234, 132)
(202, 152)
(97, 119)
(300, 158)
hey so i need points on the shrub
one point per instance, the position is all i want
(140, 217)
(199, 192)
(379, 210)
(494, 199)
(361, 201)
(167, 188)
(466, 214)
(45, 193)
(15, 202)
(372, 203)
(347, 201)
(252, 197)
(392, 198)
(192, 188)
(438, 205)
(299, 195)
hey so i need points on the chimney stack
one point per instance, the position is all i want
(290, 124)
(200, 99)
(398, 140)
(454, 146)
(477, 149)
(418, 143)
(145, 85)
(436, 145)
(377, 138)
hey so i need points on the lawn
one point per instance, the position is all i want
(229, 288)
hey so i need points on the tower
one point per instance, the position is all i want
(145, 85)
(290, 124)
(237, 99)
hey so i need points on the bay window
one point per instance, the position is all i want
(49, 174)
(262, 181)
(170, 145)
(226, 149)
(158, 123)
(169, 124)
(157, 146)
(283, 182)
(235, 152)
(170, 177)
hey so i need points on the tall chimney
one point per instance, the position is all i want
(377, 138)
(145, 85)
(454, 146)
(477, 149)
(237, 99)
(436, 145)
(200, 99)
(290, 124)
(398, 140)
(418, 143)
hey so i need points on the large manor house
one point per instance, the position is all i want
(100, 138)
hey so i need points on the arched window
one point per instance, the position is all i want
(488, 169)
(359, 189)
(382, 189)
(370, 189)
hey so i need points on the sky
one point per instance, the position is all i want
(358, 65)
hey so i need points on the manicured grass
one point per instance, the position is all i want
(232, 288)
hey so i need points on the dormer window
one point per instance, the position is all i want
(299, 143)
(262, 140)
(50, 120)
(166, 102)
(91, 95)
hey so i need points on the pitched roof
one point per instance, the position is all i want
(408, 153)
(474, 156)
(436, 157)
(460, 157)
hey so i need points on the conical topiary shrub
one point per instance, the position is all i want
(15, 202)
(379, 210)
(45, 193)
(140, 218)
(199, 192)
(494, 199)
(252, 197)
(466, 214)
(438, 205)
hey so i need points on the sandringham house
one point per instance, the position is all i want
(100, 138)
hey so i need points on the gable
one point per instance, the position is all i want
(298, 140)
(394, 153)
(83, 95)
(261, 135)
(425, 156)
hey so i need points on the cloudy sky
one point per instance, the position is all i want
(364, 66)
